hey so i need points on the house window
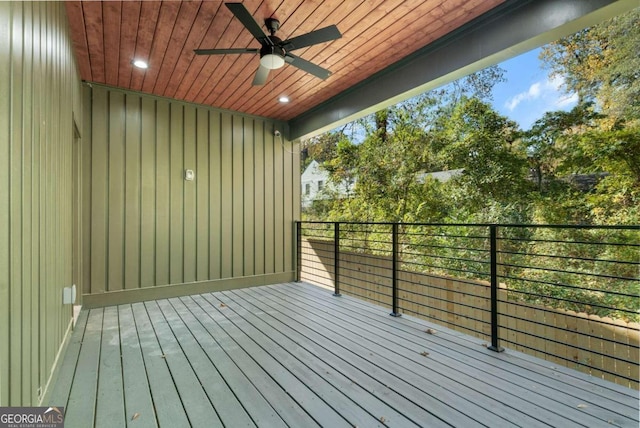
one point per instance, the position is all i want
(307, 189)
(320, 185)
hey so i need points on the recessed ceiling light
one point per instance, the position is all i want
(140, 63)
(283, 99)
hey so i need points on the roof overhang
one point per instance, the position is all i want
(509, 30)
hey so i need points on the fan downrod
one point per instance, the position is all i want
(273, 25)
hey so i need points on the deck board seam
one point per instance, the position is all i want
(517, 358)
(499, 404)
(186, 311)
(303, 300)
(247, 319)
(267, 359)
(322, 347)
(283, 415)
(407, 389)
(413, 359)
(210, 363)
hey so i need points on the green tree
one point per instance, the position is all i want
(601, 63)
(601, 135)
(321, 148)
(547, 144)
(483, 143)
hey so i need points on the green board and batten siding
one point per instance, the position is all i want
(40, 97)
(152, 233)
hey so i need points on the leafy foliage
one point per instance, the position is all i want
(602, 63)
(511, 176)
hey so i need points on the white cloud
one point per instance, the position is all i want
(531, 94)
(548, 91)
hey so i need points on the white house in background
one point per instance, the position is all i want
(442, 176)
(315, 178)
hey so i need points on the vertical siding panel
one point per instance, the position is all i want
(28, 385)
(258, 213)
(295, 178)
(288, 202)
(15, 205)
(115, 273)
(44, 198)
(202, 201)
(176, 241)
(35, 203)
(249, 195)
(237, 197)
(226, 198)
(132, 171)
(5, 136)
(234, 220)
(86, 184)
(278, 188)
(35, 259)
(189, 201)
(269, 204)
(215, 189)
(99, 183)
(148, 195)
(163, 204)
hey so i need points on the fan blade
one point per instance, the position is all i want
(247, 20)
(261, 76)
(318, 36)
(224, 51)
(307, 66)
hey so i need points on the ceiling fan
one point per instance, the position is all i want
(274, 51)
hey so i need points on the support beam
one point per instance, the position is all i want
(505, 32)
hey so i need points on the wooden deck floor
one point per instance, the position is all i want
(293, 355)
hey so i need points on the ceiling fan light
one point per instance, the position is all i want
(272, 61)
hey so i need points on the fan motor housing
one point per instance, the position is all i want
(275, 49)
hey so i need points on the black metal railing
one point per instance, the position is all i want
(570, 294)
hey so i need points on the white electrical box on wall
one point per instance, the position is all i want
(69, 295)
(189, 175)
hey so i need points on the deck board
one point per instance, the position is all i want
(110, 408)
(511, 364)
(82, 398)
(558, 401)
(294, 355)
(62, 386)
(404, 383)
(307, 367)
(280, 371)
(413, 365)
(346, 396)
(260, 411)
(167, 403)
(138, 401)
(229, 409)
(197, 405)
(568, 387)
(288, 409)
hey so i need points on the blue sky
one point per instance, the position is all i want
(529, 92)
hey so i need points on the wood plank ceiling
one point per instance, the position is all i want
(108, 35)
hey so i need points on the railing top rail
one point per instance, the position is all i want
(514, 225)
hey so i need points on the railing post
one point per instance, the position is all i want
(299, 251)
(394, 271)
(336, 259)
(493, 236)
